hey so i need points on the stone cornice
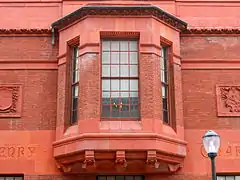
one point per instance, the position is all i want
(120, 10)
(25, 31)
(210, 31)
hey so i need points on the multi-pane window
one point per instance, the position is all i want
(136, 177)
(74, 84)
(11, 177)
(165, 84)
(229, 177)
(120, 90)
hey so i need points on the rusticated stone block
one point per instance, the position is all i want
(10, 100)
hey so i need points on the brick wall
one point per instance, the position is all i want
(199, 85)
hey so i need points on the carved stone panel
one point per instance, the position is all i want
(228, 100)
(10, 100)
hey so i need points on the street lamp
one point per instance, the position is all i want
(211, 143)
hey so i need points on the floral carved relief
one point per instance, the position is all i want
(10, 100)
(228, 100)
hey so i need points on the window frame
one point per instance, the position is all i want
(120, 37)
(98, 177)
(165, 43)
(73, 43)
(14, 176)
(227, 175)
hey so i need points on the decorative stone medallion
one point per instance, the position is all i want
(228, 100)
(10, 100)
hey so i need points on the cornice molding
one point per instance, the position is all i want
(217, 31)
(120, 10)
(25, 31)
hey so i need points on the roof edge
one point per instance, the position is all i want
(122, 10)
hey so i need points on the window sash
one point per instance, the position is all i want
(165, 86)
(120, 92)
(74, 84)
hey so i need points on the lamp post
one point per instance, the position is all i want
(211, 143)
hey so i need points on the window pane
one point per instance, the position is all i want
(106, 85)
(115, 70)
(106, 98)
(75, 76)
(115, 85)
(123, 45)
(221, 178)
(229, 177)
(106, 111)
(9, 178)
(115, 99)
(105, 70)
(163, 78)
(133, 57)
(75, 91)
(102, 178)
(115, 95)
(124, 71)
(134, 98)
(123, 57)
(165, 103)
(138, 178)
(134, 85)
(114, 45)
(133, 70)
(133, 45)
(106, 45)
(115, 57)
(74, 116)
(124, 85)
(237, 177)
(165, 116)
(134, 111)
(124, 97)
(119, 177)
(124, 111)
(129, 178)
(164, 91)
(115, 111)
(74, 103)
(18, 178)
(106, 58)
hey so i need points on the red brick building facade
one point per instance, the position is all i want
(118, 90)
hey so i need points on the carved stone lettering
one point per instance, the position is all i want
(228, 100)
(20, 151)
(11, 151)
(16, 151)
(2, 151)
(237, 150)
(10, 100)
(226, 152)
(31, 151)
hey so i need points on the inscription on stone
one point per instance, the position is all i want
(13, 151)
(229, 151)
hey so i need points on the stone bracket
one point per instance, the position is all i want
(152, 159)
(89, 160)
(64, 168)
(174, 167)
(121, 159)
